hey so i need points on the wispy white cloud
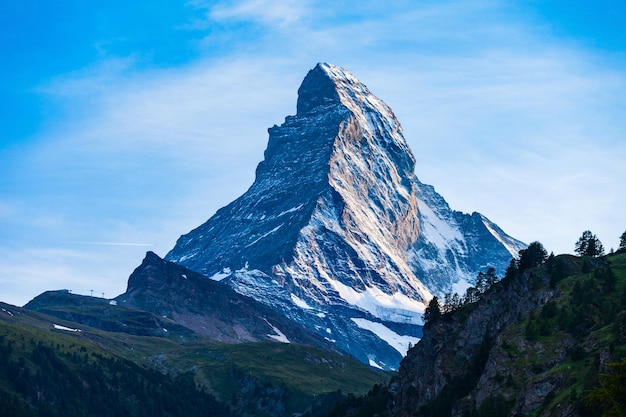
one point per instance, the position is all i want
(269, 12)
(502, 118)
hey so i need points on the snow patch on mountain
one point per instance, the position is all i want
(395, 307)
(398, 342)
(224, 273)
(506, 241)
(442, 233)
(300, 302)
(291, 210)
(460, 287)
(279, 336)
(264, 235)
(65, 328)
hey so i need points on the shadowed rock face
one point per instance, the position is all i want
(207, 307)
(336, 226)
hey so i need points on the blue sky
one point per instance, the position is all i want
(126, 124)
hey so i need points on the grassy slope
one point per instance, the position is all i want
(300, 372)
(588, 348)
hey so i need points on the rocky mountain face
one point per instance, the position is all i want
(458, 345)
(208, 308)
(453, 247)
(534, 344)
(337, 233)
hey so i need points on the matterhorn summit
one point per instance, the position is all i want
(337, 232)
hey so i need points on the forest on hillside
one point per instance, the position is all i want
(39, 379)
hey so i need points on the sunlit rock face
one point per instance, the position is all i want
(338, 233)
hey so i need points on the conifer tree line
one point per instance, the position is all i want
(534, 255)
(43, 381)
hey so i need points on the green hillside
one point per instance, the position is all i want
(574, 338)
(52, 370)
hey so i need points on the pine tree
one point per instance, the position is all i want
(490, 277)
(433, 311)
(447, 303)
(622, 242)
(589, 245)
(471, 295)
(512, 269)
(534, 255)
(480, 282)
(611, 394)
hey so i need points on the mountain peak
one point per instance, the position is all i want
(341, 77)
(317, 91)
(336, 225)
(328, 85)
(331, 90)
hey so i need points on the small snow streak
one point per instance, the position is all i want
(264, 235)
(375, 365)
(396, 341)
(279, 336)
(300, 302)
(67, 329)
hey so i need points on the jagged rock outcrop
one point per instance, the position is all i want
(453, 247)
(336, 231)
